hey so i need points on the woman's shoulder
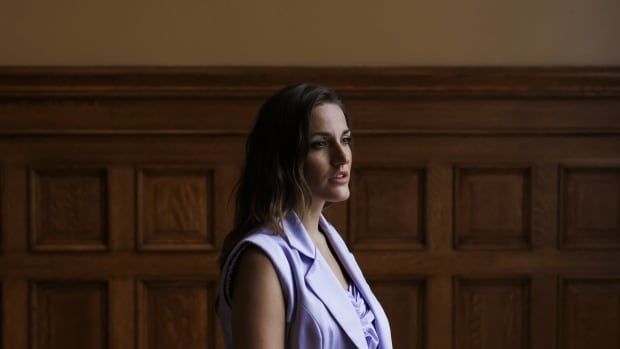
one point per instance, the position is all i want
(264, 239)
(262, 252)
(255, 267)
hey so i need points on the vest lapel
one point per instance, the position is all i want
(323, 283)
(327, 288)
(352, 268)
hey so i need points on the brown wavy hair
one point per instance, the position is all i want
(272, 182)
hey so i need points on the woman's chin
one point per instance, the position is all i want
(338, 197)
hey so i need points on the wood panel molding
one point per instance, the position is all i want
(260, 81)
(118, 101)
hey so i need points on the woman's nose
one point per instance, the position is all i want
(339, 156)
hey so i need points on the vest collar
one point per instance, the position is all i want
(321, 280)
(298, 236)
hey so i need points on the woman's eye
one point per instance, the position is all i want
(347, 140)
(319, 144)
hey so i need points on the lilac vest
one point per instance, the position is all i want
(318, 310)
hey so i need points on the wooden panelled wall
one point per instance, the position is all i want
(485, 205)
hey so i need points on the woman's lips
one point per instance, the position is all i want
(342, 180)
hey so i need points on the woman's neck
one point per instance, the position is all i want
(310, 219)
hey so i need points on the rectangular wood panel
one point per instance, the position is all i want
(589, 313)
(390, 208)
(492, 208)
(175, 208)
(492, 313)
(404, 304)
(589, 207)
(68, 315)
(68, 208)
(175, 314)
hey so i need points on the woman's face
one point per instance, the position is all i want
(329, 158)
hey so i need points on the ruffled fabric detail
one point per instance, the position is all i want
(366, 317)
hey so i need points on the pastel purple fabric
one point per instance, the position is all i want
(319, 312)
(366, 316)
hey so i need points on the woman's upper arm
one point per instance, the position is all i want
(258, 310)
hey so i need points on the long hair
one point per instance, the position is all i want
(272, 182)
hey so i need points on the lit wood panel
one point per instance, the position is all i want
(68, 209)
(175, 208)
(175, 314)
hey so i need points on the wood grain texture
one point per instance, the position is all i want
(69, 314)
(484, 202)
(492, 313)
(68, 209)
(492, 207)
(175, 208)
(590, 207)
(404, 303)
(589, 312)
(175, 314)
(390, 208)
(363, 82)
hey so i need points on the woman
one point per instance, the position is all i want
(288, 279)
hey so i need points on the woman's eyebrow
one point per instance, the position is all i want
(323, 133)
